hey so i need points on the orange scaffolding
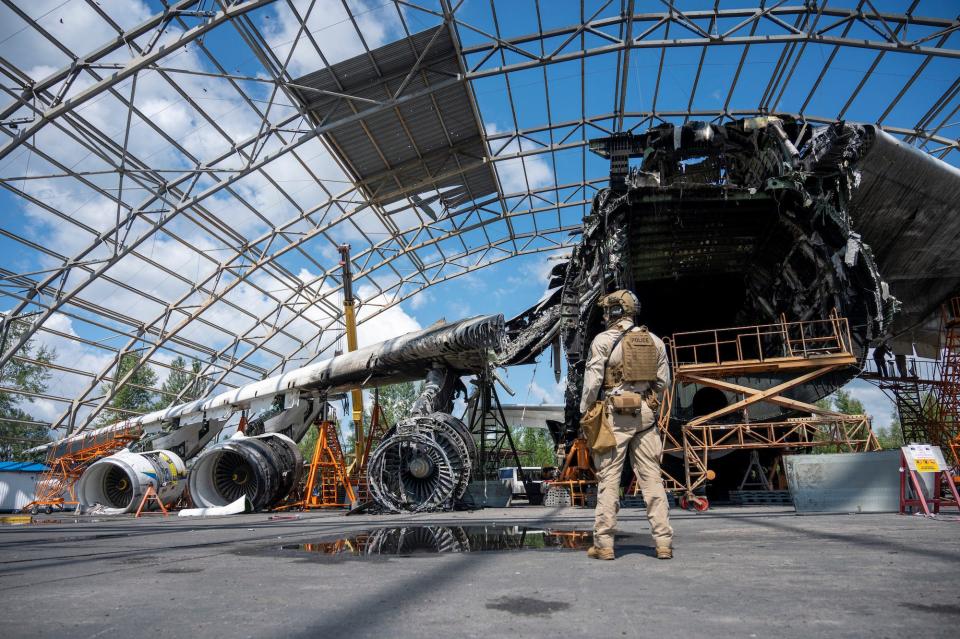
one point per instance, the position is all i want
(358, 470)
(800, 352)
(577, 480)
(927, 392)
(327, 483)
(55, 489)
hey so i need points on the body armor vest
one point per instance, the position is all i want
(638, 359)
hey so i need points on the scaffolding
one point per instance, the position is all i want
(798, 353)
(56, 487)
(486, 421)
(927, 392)
(576, 484)
(327, 484)
(946, 431)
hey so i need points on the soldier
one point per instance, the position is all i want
(630, 365)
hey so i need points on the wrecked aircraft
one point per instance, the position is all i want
(717, 225)
(737, 224)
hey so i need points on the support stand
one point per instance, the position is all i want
(577, 483)
(150, 495)
(761, 482)
(485, 419)
(357, 471)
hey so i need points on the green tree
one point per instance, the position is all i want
(892, 436)
(535, 446)
(308, 442)
(134, 396)
(847, 404)
(27, 372)
(180, 378)
(842, 402)
(396, 400)
(826, 403)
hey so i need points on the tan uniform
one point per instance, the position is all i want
(637, 435)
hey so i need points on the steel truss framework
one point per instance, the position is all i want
(91, 136)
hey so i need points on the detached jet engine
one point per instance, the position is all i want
(264, 469)
(119, 482)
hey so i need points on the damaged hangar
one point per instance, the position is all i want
(735, 216)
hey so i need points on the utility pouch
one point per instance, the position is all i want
(627, 403)
(597, 425)
(597, 422)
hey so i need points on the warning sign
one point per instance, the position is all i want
(924, 458)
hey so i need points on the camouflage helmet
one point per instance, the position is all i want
(624, 299)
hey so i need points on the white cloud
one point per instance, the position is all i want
(71, 354)
(519, 174)
(75, 24)
(332, 29)
(420, 300)
(390, 323)
(877, 404)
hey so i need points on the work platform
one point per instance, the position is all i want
(738, 572)
(759, 365)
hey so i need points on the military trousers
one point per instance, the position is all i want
(637, 436)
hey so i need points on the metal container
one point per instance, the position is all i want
(845, 482)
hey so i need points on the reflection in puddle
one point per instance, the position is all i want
(426, 540)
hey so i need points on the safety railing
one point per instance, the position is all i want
(764, 342)
(916, 369)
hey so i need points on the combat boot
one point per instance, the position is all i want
(600, 553)
(664, 552)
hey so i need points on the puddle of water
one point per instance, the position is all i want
(430, 540)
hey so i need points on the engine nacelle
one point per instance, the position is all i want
(264, 468)
(118, 482)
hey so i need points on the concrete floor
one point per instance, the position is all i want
(739, 572)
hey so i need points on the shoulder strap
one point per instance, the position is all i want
(610, 354)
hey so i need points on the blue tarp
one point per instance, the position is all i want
(21, 467)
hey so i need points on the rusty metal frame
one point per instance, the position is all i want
(803, 350)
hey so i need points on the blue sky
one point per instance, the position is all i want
(520, 100)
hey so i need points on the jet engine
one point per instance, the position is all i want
(422, 464)
(264, 468)
(118, 482)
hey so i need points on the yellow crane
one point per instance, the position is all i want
(350, 322)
